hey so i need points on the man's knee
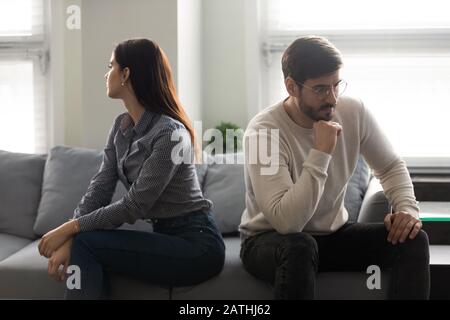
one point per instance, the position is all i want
(421, 239)
(419, 245)
(300, 245)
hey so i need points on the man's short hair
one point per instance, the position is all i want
(309, 58)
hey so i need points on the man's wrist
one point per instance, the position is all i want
(323, 149)
(408, 212)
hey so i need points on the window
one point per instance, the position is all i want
(396, 59)
(23, 60)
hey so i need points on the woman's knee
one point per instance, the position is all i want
(82, 243)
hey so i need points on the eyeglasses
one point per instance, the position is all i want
(323, 91)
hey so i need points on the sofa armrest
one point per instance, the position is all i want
(375, 205)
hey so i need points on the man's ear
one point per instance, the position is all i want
(291, 86)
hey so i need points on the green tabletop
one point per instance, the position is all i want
(435, 218)
(434, 211)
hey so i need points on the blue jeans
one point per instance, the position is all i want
(290, 262)
(181, 251)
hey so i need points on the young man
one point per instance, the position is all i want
(295, 223)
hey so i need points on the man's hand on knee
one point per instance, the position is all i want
(400, 225)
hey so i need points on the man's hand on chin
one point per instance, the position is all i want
(401, 225)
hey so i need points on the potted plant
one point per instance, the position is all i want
(237, 139)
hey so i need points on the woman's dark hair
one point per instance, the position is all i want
(152, 80)
(309, 58)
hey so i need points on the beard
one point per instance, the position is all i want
(324, 112)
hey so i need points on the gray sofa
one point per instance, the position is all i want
(39, 192)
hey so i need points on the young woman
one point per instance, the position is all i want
(186, 247)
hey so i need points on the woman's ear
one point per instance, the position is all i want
(125, 74)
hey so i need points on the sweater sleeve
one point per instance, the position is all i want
(288, 206)
(387, 166)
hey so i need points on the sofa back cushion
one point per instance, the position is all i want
(20, 192)
(201, 169)
(224, 185)
(68, 172)
(356, 189)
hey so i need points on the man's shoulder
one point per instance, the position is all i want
(350, 112)
(266, 118)
(349, 104)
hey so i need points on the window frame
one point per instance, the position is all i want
(34, 47)
(365, 41)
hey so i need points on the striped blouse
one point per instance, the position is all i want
(140, 156)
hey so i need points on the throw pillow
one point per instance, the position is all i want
(20, 185)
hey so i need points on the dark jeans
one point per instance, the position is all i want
(290, 262)
(181, 251)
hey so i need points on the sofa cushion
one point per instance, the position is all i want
(224, 185)
(24, 276)
(375, 205)
(20, 185)
(66, 178)
(11, 244)
(201, 169)
(67, 175)
(62, 192)
(233, 283)
(356, 189)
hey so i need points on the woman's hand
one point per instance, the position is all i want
(53, 239)
(58, 258)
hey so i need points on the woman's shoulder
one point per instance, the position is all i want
(120, 119)
(167, 125)
(117, 123)
(165, 129)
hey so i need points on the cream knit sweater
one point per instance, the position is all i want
(306, 191)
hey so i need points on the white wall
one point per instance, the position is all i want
(224, 62)
(190, 56)
(104, 24)
(73, 94)
(82, 113)
(55, 12)
(207, 45)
